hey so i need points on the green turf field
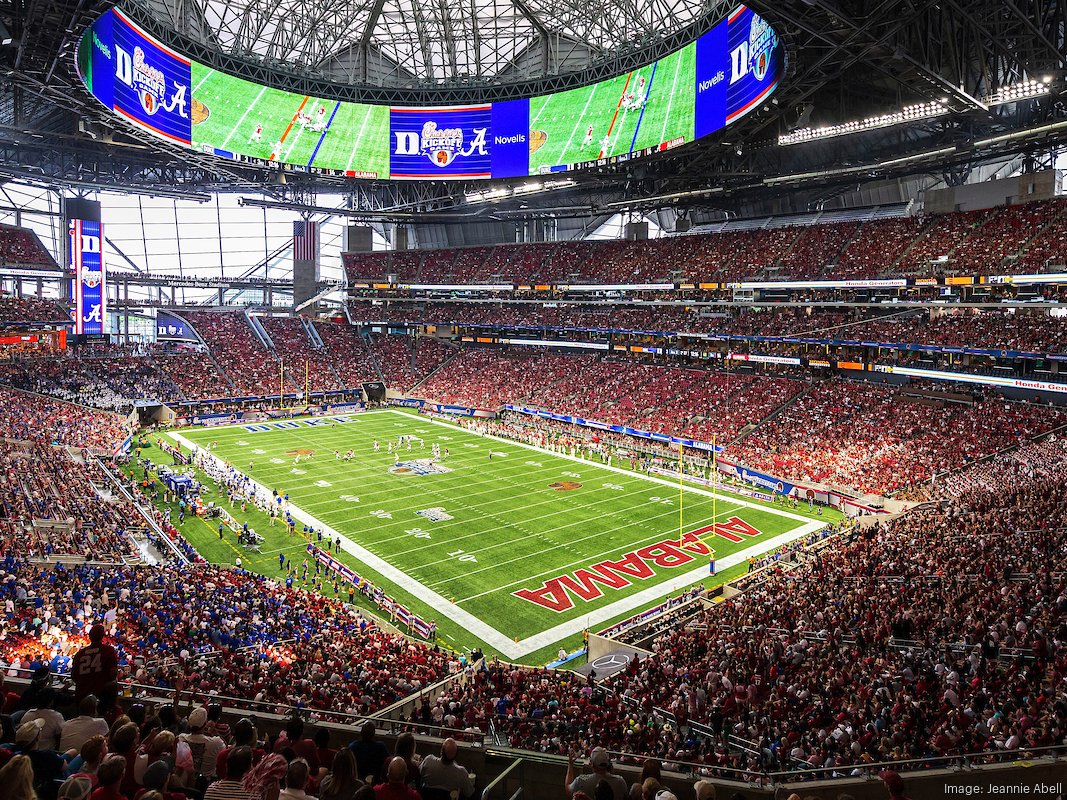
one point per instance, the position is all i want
(566, 117)
(495, 534)
(355, 136)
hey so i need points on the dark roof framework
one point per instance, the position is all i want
(846, 60)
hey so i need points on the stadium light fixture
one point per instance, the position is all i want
(1013, 93)
(1023, 90)
(522, 190)
(912, 113)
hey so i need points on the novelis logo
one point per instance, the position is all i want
(441, 145)
(103, 48)
(754, 56)
(149, 83)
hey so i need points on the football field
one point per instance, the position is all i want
(517, 547)
(597, 121)
(341, 136)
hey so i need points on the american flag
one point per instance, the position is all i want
(305, 240)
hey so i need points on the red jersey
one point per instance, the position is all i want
(93, 668)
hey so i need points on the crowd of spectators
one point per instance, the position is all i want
(1041, 458)
(406, 360)
(967, 242)
(34, 418)
(57, 505)
(20, 247)
(349, 353)
(31, 309)
(940, 633)
(250, 366)
(1030, 330)
(294, 346)
(877, 439)
(217, 631)
(872, 438)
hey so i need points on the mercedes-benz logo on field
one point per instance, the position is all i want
(611, 661)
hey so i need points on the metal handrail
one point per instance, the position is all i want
(500, 778)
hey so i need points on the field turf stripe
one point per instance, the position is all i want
(644, 105)
(325, 130)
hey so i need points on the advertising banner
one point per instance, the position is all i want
(89, 295)
(170, 327)
(432, 143)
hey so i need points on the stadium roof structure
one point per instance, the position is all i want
(846, 60)
(410, 43)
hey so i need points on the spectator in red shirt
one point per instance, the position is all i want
(110, 777)
(95, 667)
(9, 701)
(396, 787)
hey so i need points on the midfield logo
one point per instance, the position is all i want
(435, 514)
(421, 467)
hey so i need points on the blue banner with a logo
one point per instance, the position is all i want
(755, 61)
(152, 83)
(766, 481)
(430, 143)
(89, 297)
(171, 327)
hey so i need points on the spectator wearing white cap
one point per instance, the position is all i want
(600, 763)
(205, 748)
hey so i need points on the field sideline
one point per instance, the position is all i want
(521, 550)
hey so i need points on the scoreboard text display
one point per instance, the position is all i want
(693, 92)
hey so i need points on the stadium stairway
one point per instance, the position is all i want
(210, 356)
(1041, 230)
(320, 346)
(439, 367)
(372, 353)
(259, 331)
(750, 427)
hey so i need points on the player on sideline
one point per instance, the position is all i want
(276, 155)
(257, 134)
(588, 136)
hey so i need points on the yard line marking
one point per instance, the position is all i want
(358, 140)
(620, 471)
(644, 105)
(325, 130)
(242, 119)
(494, 638)
(577, 125)
(670, 101)
(616, 114)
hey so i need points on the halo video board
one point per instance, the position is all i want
(693, 92)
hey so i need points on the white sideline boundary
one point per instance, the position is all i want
(490, 635)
